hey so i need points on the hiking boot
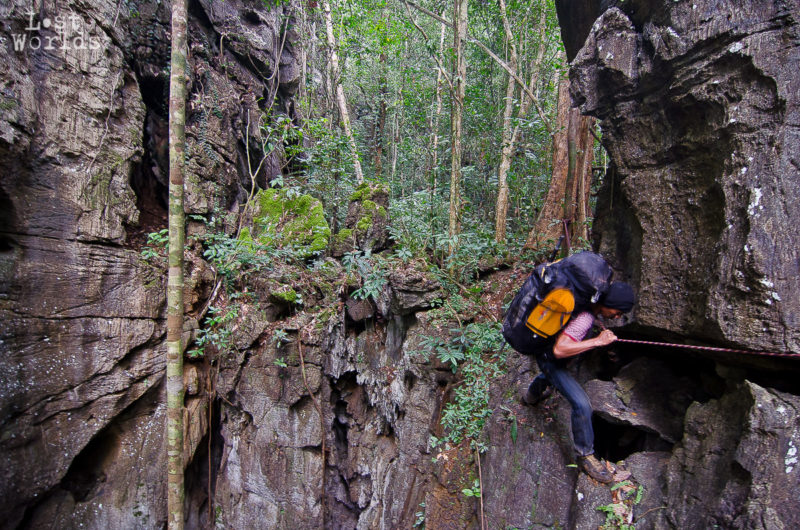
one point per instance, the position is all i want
(527, 397)
(595, 469)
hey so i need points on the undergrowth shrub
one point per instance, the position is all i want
(478, 352)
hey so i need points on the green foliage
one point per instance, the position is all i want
(419, 227)
(157, 245)
(371, 270)
(447, 351)
(512, 420)
(231, 257)
(215, 332)
(288, 295)
(391, 57)
(478, 351)
(326, 170)
(474, 491)
(281, 362)
(419, 522)
(280, 337)
(619, 514)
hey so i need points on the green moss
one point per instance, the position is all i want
(7, 103)
(288, 219)
(287, 295)
(368, 190)
(364, 223)
(342, 236)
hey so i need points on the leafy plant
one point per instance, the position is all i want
(474, 491)
(619, 514)
(157, 245)
(478, 351)
(372, 271)
(279, 337)
(231, 256)
(447, 351)
(215, 331)
(420, 517)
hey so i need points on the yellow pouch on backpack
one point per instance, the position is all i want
(552, 313)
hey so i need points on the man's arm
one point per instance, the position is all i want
(566, 346)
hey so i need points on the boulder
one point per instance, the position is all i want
(366, 226)
(646, 394)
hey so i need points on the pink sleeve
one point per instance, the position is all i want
(579, 326)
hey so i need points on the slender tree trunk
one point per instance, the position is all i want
(341, 102)
(330, 91)
(398, 124)
(434, 121)
(501, 208)
(510, 141)
(302, 92)
(177, 146)
(398, 120)
(456, 116)
(380, 128)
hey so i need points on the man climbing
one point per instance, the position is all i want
(552, 357)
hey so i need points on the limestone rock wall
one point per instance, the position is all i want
(699, 104)
(83, 97)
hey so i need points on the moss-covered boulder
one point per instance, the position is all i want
(367, 222)
(285, 219)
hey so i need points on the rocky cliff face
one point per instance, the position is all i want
(83, 165)
(700, 104)
(320, 411)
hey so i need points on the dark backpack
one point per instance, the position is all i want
(541, 308)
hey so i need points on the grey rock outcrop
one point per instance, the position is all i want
(741, 452)
(700, 104)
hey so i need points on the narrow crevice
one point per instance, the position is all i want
(344, 395)
(202, 472)
(149, 177)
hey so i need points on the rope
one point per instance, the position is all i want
(708, 348)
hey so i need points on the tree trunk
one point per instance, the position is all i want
(380, 128)
(568, 195)
(434, 121)
(177, 147)
(548, 225)
(501, 208)
(456, 116)
(398, 121)
(341, 102)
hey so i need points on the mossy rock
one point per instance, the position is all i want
(368, 191)
(285, 296)
(367, 222)
(289, 220)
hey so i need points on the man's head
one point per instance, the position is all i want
(617, 300)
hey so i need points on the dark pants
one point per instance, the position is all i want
(554, 372)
